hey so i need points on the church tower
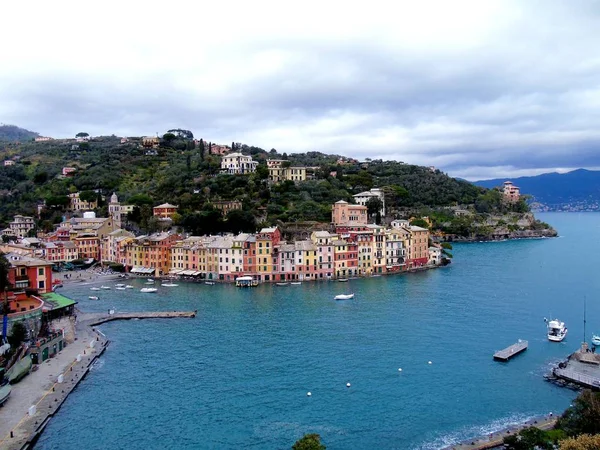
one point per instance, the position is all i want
(114, 210)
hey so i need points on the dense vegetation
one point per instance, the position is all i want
(188, 175)
(14, 133)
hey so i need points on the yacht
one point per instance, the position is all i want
(344, 296)
(596, 340)
(169, 284)
(148, 290)
(556, 330)
(104, 287)
(129, 286)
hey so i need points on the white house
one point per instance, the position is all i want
(363, 197)
(236, 163)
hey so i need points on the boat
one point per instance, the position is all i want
(5, 393)
(343, 280)
(120, 288)
(169, 284)
(149, 282)
(94, 289)
(119, 285)
(104, 287)
(148, 290)
(210, 283)
(19, 369)
(93, 297)
(129, 286)
(596, 340)
(556, 330)
(282, 284)
(246, 281)
(296, 283)
(344, 296)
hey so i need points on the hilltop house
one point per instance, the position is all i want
(236, 163)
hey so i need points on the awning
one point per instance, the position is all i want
(144, 270)
(57, 301)
(187, 272)
(175, 271)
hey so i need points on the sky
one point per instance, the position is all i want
(478, 89)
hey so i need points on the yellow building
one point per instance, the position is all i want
(279, 171)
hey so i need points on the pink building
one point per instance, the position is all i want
(325, 254)
(67, 171)
(511, 192)
(346, 217)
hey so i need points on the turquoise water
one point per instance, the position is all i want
(237, 376)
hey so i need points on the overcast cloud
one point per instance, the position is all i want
(479, 89)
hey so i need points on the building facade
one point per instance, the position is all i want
(238, 164)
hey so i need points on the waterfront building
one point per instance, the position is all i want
(21, 225)
(28, 272)
(188, 255)
(266, 240)
(150, 253)
(511, 192)
(165, 211)
(113, 246)
(345, 258)
(60, 252)
(286, 264)
(346, 217)
(250, 258)
(395, 252)
(238, 164)
(76, 204)
(435, 256)
(305, 263)
(379, 247)
(326, 260)
(418, 250)
(364, 240)
(88, 225)
(363, 197)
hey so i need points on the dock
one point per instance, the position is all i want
(100, 318)
(509, 352)
(581, 369)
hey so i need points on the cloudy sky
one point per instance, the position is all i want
(479, 89)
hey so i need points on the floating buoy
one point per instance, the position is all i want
(400, 370)
(429, 362)
(348, 385)
(308, 394)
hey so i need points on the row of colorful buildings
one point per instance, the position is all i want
(349, 247)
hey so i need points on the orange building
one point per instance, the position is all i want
(150, 254)
(165, 211)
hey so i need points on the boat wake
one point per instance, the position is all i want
(473, 432)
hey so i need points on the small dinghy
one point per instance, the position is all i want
(344, 296)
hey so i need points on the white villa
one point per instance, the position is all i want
(236, 163)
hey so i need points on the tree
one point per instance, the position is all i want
(82, 134)
(169, 137)
(583, 442)
(374, 205)
(18, 334)
(419, 223)
(262, 171)
(88, 196)
(532, 438)
(201, 149)
(309, 442)
(239, 221)
(583, 416)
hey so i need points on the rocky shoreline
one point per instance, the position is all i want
(504, 236)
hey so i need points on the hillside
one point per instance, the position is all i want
(14, 133)
(576, 190)
(182, 173)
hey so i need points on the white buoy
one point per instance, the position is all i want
(348, 385)
(429, 362)
(308, 394)
(400, 370)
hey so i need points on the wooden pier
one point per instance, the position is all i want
(97, 319)
(509, 352)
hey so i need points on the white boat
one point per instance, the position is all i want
(148, 290)
(344, 296)
(129, 286)
(104, 287)
(149, 282)
(119, 285)
(296, 283)
(596, 340)
(93, 297)
(120, 288)
(94, 289)
(343, 280)
(556, 330)
(169, 284)
(210, 283)
(282, 284)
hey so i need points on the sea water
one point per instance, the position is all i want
(237, 376)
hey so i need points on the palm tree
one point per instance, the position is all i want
(4, 285)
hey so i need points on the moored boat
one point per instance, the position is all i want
(296, 283)
(596, 340)
(19, 370)
(344, 296)
(169, 284)
(246, 281)
(282, 284)
(93, 297)
(94, 289)
(147, 290)
(104, 287)
(129, 286)
(343, 280)
(5, 393)
(210, 283)
(557, 330)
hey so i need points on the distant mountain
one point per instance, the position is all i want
(577, 190)
(14, 133)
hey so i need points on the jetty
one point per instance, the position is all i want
(581, 369)
(509, 352)
(100, 318)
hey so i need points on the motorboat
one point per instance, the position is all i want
(148, 290)
(282, 284)
(5, 393)
(129, 286)
(93, 297)
(150, 280)
(119, 285)
(296, 283)
(344, 296)
(596, 340)
(94, 289)
(120, 288)
(557, 330)
(104, 287)
(169, 284)
(343, 280)
(210, 283)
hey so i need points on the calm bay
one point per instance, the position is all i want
(238, 374)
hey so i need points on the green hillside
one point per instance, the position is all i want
(14, 133)
(180, 173)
